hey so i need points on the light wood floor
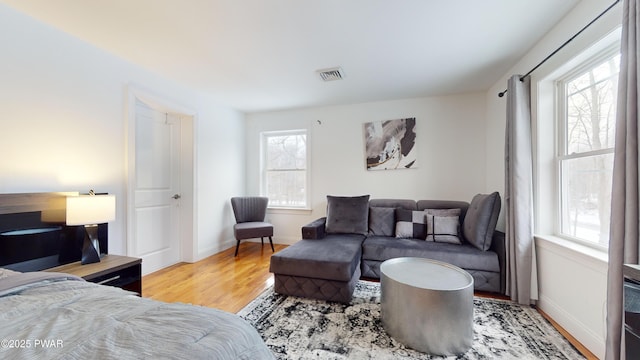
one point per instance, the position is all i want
(229, 283)
(220, 281)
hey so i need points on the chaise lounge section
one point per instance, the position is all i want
(327, 269)
(357, 235)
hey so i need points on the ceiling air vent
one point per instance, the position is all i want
(331, 74)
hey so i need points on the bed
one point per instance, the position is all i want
(48, 315)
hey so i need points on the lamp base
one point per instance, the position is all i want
(90, 246)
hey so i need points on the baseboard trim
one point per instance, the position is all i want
(286, 240)
(215, 249)
(232, 243)
(582, 333)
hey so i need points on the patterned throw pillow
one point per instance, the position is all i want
(410, 224)
(443, 225)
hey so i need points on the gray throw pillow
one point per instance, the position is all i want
(481, 219)
(382, 221)
(347, 215)
(410, 224)
(443, 225)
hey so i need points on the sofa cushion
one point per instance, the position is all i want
(335, 257)
(252, 229)
(382, 221)
(443, 225)
(480, 220)
(444, 204)
(381, 248)
(347, 215)
(394, 203)
(410, 224)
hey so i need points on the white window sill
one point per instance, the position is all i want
(289, 211)
(578, 249)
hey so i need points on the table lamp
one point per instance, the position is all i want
(90, 210)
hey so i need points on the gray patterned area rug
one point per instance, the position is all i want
(297, 328)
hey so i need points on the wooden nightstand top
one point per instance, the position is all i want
(107, 264)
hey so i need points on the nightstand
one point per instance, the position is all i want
(112, 270)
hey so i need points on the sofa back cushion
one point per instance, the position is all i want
(481, 219)
(394, 203)
(347, 215)
(444, 204)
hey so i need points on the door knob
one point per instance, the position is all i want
(176, 196)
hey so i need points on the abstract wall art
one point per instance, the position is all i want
(391, 144)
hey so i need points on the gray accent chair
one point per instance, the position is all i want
(250, 212)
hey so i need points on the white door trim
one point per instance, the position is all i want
(188, 226)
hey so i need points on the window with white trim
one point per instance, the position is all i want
(285, 172)
(586, 134)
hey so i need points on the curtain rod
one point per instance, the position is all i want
(501, 94)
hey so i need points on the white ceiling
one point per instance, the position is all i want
(260, 55)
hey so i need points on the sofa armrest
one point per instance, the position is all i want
(499, 246)
(314, 229)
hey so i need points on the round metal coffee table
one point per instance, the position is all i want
(427, 305)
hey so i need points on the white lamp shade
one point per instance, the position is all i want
(90, 209)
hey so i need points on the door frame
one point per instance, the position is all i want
(187, 209)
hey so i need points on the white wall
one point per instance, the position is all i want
(572, 280)
(220, 170)
(450, 164)
(62, 126)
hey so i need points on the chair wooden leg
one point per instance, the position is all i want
(271, 242)
(237, 246)
(262, 240)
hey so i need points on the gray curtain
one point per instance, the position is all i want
(519, 193)
(623, 239)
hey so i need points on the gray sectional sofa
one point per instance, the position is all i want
(358, 234)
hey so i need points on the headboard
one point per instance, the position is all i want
(29, 241)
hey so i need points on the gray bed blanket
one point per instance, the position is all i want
(56, 317)
(19, 281)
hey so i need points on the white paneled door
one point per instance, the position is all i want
(156, 195)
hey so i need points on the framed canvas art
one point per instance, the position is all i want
(391, 144)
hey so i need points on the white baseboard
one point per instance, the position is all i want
(586, 336)
(232, 243)
(286, 240)
(283, 240)
(215, 249)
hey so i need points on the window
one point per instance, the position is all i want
(587, 107)
(285, 178)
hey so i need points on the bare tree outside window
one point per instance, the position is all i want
(285, 168)
(586, 157)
